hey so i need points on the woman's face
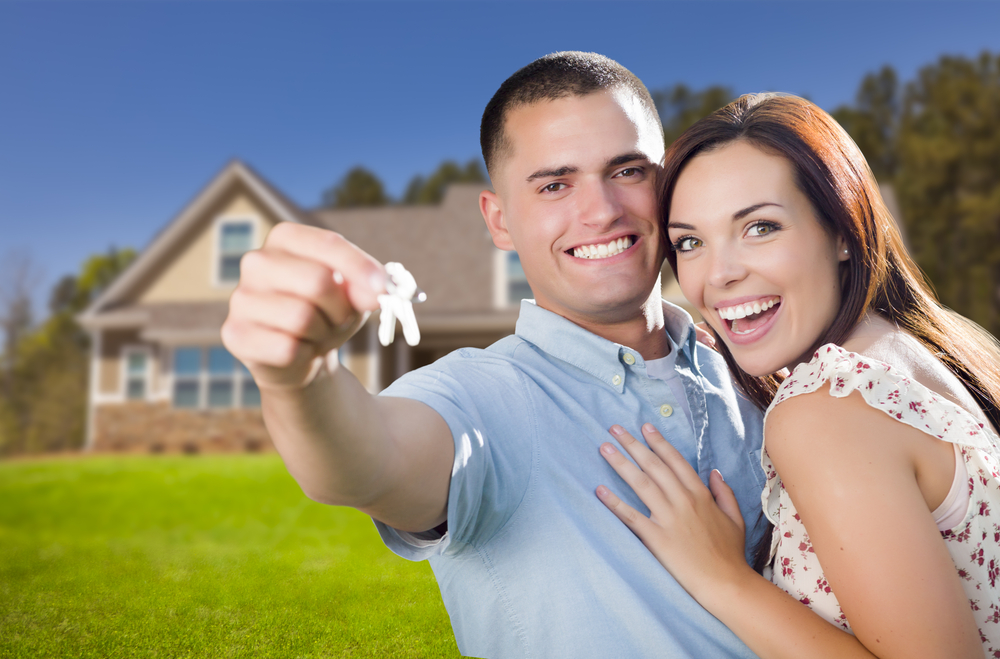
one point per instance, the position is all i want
(752, 256)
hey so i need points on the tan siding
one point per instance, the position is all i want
(189, 274)
(109, 382)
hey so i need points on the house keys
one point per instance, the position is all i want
(402, 293)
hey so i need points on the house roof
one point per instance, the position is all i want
(446, 247)
(189, 219)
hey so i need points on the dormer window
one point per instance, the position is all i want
(235, 238)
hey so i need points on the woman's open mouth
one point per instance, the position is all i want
(747, 318)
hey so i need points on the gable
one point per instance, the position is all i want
(190, 271)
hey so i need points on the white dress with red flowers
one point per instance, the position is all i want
(974, 542)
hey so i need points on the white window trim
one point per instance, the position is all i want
(205, 378)
(133, 349)
(501, 281)
(217, 225)
(501, 296)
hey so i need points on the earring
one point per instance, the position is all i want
(846, 252)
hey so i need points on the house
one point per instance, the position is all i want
(161, 379)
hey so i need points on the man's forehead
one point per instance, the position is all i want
(552, 128)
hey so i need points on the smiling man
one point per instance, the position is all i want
(486, 462)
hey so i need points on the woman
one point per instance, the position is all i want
(880, 446)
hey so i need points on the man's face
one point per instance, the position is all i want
(576, 201)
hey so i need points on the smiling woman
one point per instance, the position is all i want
(881, 450)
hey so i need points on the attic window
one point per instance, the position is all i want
(234, 242)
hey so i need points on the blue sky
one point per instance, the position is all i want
(114, 114)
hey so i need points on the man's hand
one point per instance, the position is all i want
(300, 296)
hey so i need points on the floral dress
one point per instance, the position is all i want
(974, 543)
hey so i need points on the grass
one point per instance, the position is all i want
(209, 556)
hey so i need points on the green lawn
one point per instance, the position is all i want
(202, 556)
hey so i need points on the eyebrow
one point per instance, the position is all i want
(613, 162)
(552, 173)
(738, 215)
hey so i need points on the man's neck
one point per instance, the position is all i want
(643, 333)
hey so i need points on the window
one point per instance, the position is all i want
(517, 283)
(136, 374)
(187, 377)
(211, 377)
(234, 242)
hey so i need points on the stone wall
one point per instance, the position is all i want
(138, 427)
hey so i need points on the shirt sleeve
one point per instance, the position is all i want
(483, 401)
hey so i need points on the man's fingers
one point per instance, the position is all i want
(725, 498)
(276, 359)
(364, 277)
(283, 313)
(271, 271)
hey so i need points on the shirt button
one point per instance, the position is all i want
(617, 380)
(628, 358)
(666, 410)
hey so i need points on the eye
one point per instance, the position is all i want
(686, 244)
(554, 187)
(631, 172)
(759, 229)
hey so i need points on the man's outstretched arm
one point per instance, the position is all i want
(300, 297)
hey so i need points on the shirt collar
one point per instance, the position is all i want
(567, 341)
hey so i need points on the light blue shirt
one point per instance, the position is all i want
(533, 564)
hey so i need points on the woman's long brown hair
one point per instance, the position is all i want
(879, 277)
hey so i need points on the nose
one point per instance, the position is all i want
(725, 267)
(598, 206)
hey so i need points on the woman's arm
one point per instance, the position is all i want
(873, 534)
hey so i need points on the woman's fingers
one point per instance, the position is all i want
(629, 516)
(671, 457)
(650, 468)
(648, 491)
(725, 498)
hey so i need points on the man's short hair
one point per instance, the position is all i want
(548, 78)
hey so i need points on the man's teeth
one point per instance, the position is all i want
(603, 251)
(750, 309)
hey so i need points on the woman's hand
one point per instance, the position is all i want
(696, 534)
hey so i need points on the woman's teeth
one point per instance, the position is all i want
(603, 251)
(750, 309)
(745, 318)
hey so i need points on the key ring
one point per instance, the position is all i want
(401, 293)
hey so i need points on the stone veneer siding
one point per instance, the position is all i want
(137, 427)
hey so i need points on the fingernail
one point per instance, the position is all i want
(617, 430)
(721, 477)
(648, 427)
(602, 491)
(338, 278)
(377, 281)
(608, 449)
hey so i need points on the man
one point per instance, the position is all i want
(486, 462)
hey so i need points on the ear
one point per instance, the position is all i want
(492, 210)
(843, 253)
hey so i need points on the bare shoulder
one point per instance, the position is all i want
(816, 433)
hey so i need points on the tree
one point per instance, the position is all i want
(44, 407)
(358, 188)
(680, 107)
(431, 190)
(873, 121)
(947, 181)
